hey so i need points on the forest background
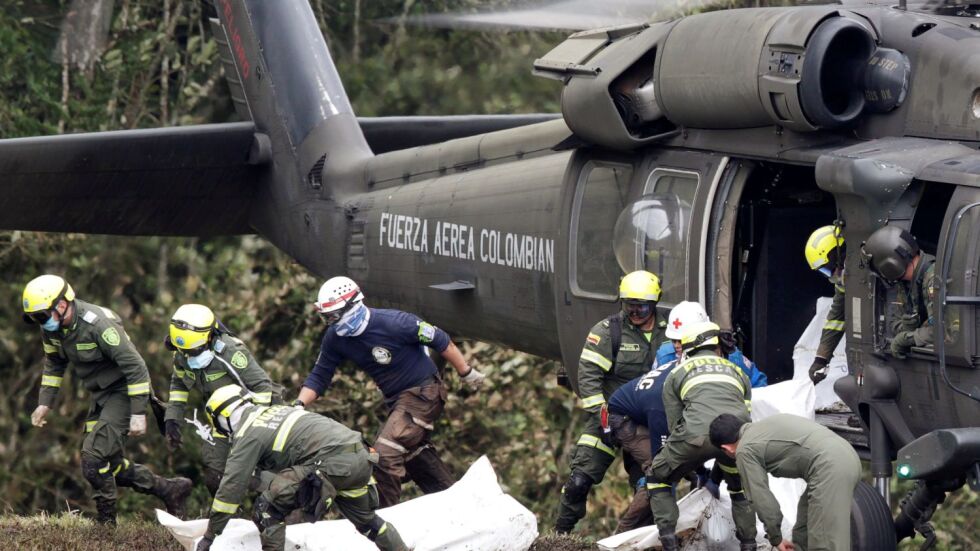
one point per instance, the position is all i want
(158, 66)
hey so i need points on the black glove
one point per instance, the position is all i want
(174, 439)
(205, 543)
(297, 403)
(818, 370)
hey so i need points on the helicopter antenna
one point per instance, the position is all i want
(955, 300)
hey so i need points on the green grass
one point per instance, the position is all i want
(69, 531)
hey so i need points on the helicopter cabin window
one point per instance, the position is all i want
(963, 278)
(600, 196)
(652, 232)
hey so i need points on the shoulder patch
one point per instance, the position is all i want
(239, 360)
(593, 339)
(662, 324)
(111, 336)
(427, 332)
(219, 346)
(90, 317)
(605, 323)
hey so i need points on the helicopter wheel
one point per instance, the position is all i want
(872, 528)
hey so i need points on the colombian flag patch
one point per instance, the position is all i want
(593, 339)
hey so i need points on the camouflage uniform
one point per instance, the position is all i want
(833, 328)
(113, 371)
(915, 298)
(233, 364)
(598, 378)
(701, 388)
(789, 446)
(317, 461)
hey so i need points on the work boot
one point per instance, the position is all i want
(669, 542)
(106, 511)
(173, 492)
(747, 546)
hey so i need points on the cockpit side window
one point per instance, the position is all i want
(600, 197)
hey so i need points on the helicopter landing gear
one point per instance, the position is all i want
(871, 520)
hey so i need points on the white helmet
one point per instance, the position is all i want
(336, 296)
(685, 314)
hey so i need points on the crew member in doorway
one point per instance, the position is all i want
(388, 345)
(824, 253)
(617, 349)
(703, 386)
(789, 446)
(207, 356)
(895, 257)
(687, 312)
(92, 339)
(317, 462)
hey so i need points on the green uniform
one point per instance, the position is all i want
(833, 328)
(916, 297)
(701, 388)
(109, 366)
(306, 451)
(599, 375)
(788, 446)
(233, 364)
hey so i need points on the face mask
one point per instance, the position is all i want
(354, 321)
(51, 325)
(200, 361)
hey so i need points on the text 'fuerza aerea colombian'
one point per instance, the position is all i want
(513, 250)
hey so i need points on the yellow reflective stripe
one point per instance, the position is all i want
(178, 395)
(51, 380)
(384, 528)
(264, 398)
(594, 400)
(656, 485)
(710, 378)
(287, 426)
(89, 425)
(105, 469)
(834, 325)
(748, 405)
(727, 469)
(49, 348)
(598, 359)
(354, 493)
(248, 422)
(86, 346)
(179, 372)
(223, 507)
(138, 388)
(590, 441)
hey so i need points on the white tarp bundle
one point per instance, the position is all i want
(711, 519)
(806, 349)
(473, 514)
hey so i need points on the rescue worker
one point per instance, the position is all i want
(317, 461)
(701, 387)
(894, 255)
(824, 253)
(617, 349)
(789, 446)
(92, 339)
(693, 312)
(388, 345)
(207, 356)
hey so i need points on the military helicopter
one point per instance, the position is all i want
(703, 148)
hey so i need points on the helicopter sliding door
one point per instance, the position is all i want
(623, 215)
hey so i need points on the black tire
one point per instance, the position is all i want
(872, 528)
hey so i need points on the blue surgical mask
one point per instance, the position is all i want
(200, 361)
(354, 321)
(52, 324)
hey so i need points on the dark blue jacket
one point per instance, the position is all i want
(390, 349)
(642, 401)
(666, 354)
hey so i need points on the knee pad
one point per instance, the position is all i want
(578, 486)
(95, 472)
(372, 528)
(265, 514)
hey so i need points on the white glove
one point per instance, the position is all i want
(137, 425)
(37, 418)
(473, 379)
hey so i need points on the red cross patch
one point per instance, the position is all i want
(677, 323)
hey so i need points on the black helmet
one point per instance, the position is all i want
(889, 251)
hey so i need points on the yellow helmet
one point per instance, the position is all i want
(640, 285)
(43, 293)
(222, 403)
(821, 243)
(191, 326)
(700, 335)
